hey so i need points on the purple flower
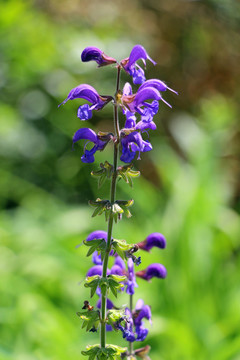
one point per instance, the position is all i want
(131, 282)
(89, 134)
(153, 270)
(141, 312)
(127, 329)
(134, 102)
(153, 240)
(132, 68)
(132, 144)
(88, 93)
(94, 54)
(141, 332)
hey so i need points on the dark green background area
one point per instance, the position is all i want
(188, 190)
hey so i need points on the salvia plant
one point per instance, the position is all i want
(138, 110)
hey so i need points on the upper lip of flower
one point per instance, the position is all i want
(129, 64)
(87, 92)
(92, 53)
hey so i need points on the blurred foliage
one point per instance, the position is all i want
(189, 189)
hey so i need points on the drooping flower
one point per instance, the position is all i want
(87, 92)
(153, 240)
(153, 270)
(94, 54)
(89, 134)
(132, 68)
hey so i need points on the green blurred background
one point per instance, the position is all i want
(189, 189)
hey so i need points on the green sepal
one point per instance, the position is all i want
(113, 283)
(92, 282)
(100, 205)
(120, 247)
(96, 245)
(110, 352)
(90, 319)
(124, 204)
(104, 173)
(126, 173)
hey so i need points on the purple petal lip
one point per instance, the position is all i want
(148, 93)
(157, 84)
(83, 91)
(97, 234)
(153, 270)
(86, 134)
(138, 52)
(153, 240)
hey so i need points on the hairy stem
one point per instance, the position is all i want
(110, 221)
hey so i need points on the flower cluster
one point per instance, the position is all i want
(138, 108)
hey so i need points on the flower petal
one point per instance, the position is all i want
(86, 134)
(138, 52)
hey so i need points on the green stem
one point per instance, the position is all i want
(110, 221)
(130, 347)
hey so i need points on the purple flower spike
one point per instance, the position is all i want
(129, 64)
(153, 270)
(89, 134)
(88, 93)
(94, 54)
(153, 240)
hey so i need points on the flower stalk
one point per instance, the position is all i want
(110, 221)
